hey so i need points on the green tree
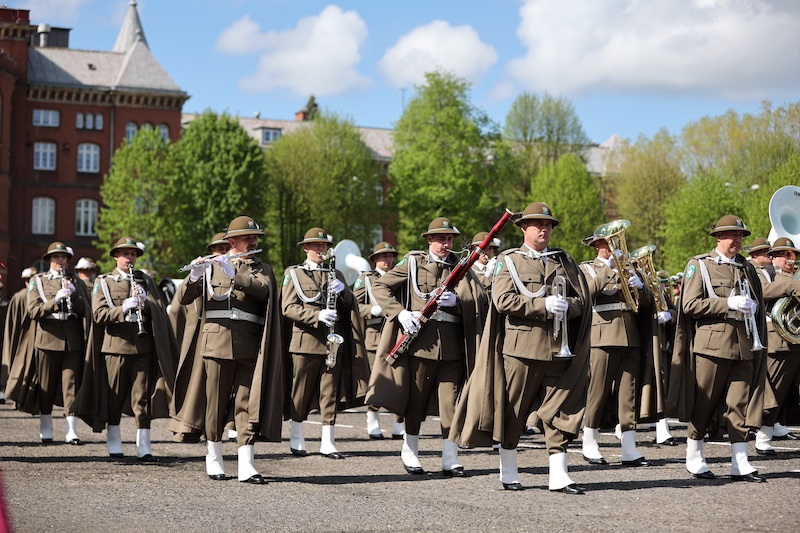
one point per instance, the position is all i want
(574, 197)
(220, 173)
(322, 175)
(650, 172)
(445, 161)
(133, 194)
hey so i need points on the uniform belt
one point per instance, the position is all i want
(235, 314)
(377, 321)
(58, 315)
(735, 315)
(617, 306)
(441, 316)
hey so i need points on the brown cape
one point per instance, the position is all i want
(480, 410)
(17, 344)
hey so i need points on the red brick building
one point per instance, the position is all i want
(63, 112)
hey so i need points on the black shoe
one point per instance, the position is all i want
(672, 441)
(299, 453)
(217, 477)
(395, 436)
(47, 441)
(147, 458)
(641, 461)
(572, 488)
(751, 435)
(379, 436)
(600, 461)
(75, 442)
(788, 436)
(2, 401)
(513, 486)
(766, 452)
(752, 478)
(414, 470)
(334, 455)
(116, 455)
(255, 479)
(708, 474)
(456, 471)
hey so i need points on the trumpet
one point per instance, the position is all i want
(614, 234)
(138, 292)
(66, 303)
(750, 325)
(206, 261)
(560, 320)
(334, 340)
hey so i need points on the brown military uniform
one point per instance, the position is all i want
(303, 295)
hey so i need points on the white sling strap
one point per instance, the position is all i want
(299, 290)
(521, 289)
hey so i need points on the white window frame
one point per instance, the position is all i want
(89, 121)
(46, 118)
(44, 156)
(130, 131)
(98, 121)
(88, 158)
(163, 129)
(79, 121)
(270, 135)
(43, 216)
(86, 210)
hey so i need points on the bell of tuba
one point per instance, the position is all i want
(786, 317)
(643, 258)
(614, 234)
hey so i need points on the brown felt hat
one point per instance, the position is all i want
(537, 211)
(478, 238)
(729, 223)
(127, 242)
(383, 248)
(783, 244)
(441, 226)
(759, 244)
(57, 248)
(316, 235)
(217, 239)
(242, 225)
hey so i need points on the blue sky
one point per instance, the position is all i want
(629, 67)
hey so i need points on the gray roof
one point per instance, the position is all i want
(130, 32)
(605, 158)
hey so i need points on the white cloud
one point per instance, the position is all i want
(319, 56)
(728, 48)
(437, 45)
(53, 11)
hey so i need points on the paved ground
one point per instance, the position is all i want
(66, 488)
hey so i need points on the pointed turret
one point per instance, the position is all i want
(130, 32)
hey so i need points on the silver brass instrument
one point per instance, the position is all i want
(643, 257)
(560, 320)
(206, 260)
(750, 325)
(138, 292)
(786, 317)
(334, 340)
(66, 303)
(614, 234)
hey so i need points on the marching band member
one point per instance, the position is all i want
(441, 356)
(384, 256)
(17, 335)
(484, 266)
(238, 340)
(522, 365)
(716, 361)
(783, 359)
(318, 304)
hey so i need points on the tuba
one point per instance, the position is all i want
(786, 316)
(643, 257)
(614, 234)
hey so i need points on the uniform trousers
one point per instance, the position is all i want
(371, 355)
(717, 379)
(228, 383)
(429, 375)
(612, 369)
(783, 370)
(528, 382)
(312, 377)
(58, 371)
(129, 376)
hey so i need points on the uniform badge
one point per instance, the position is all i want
(359, 284)
(690, 271)
(31, 285)
(285, 279)
(402, 261)
(497, 268)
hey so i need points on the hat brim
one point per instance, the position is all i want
(46, 257)
(242, 232)
(443, 231)
(139, 251)
(393, 252)
(522, 219)
(312, 241)
(763, 247)
(721, 229)
(783, 249)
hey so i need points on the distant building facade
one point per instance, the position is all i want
(63, 113)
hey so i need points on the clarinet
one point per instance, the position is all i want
(334, 340)
(66, 303)
(136, 314)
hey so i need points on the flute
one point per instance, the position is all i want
(206, 261)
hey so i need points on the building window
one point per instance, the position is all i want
(130, 130)
(163, 129)
(85, 217)
(89, 121)
(88, 158)
(79, 121)
(44, 216)
(270, 135)
(46, 117)
(98, 121)
(44, 156)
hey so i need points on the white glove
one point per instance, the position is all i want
(71, 288)
(556, 305)
(447, 299)
(410, 323)
(129, 303)
(664, 317)
(489, 272)
(141, 298)
(226, 265)
(376, 310)
(328, 317)
(197, 271)
(741, 303)
(336, 286)
(635, 281)
(62, 294)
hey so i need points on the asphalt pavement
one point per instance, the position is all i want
(65, 488)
